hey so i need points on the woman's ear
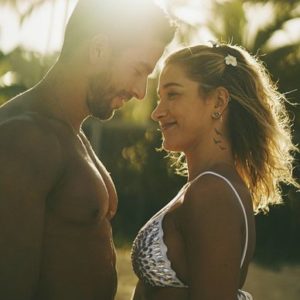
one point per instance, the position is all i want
(221, 99)
(98, 50)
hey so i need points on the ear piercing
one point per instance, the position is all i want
(216, 115)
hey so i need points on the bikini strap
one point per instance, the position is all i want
(241, 203)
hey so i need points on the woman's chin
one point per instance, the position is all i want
(171, 147)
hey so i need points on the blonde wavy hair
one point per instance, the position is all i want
(258, 123)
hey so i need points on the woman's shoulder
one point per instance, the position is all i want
(216, 195)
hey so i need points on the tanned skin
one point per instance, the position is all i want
(56, 197)
(57, 200)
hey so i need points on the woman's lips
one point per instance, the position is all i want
(166, 126)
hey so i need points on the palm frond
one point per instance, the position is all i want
(282, 55)
(33, 6)
(263, 35)
(230, 25)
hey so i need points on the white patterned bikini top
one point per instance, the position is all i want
(149, 252)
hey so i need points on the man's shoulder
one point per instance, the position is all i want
(25, 132)
(30, 155)
(23, 125)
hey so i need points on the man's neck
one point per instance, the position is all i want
(65, 91)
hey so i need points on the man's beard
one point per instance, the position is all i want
(100, 95)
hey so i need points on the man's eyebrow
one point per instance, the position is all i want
(169, 84)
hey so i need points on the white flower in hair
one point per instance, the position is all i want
(231, 60)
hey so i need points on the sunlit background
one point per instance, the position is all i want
(39, 25)
(31, 34)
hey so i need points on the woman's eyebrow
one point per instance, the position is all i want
(169, 84)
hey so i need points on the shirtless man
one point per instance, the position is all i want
(56, 197)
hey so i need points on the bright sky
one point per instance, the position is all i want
(43, 30)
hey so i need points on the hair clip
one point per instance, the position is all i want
(214, 44)
(230, 60)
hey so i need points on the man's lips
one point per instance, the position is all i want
(119, 100)
(125, 96)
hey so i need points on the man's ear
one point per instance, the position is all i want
(98, 50)
(221, 99)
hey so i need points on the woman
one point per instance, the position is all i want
(218, 110)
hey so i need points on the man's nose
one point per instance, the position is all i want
(140, 88)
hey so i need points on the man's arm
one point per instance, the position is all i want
(30, 160)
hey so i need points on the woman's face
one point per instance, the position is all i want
(183, 114)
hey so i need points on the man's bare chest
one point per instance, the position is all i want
(81, 194)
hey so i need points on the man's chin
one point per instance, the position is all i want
(105, 117)
(109, 117)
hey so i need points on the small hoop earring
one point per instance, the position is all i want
(216, 115)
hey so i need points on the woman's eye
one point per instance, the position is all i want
(172, 95)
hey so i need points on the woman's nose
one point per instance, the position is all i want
(158, 112)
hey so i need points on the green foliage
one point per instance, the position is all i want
(24, 68)
(283, 62)
(230, 23)
(278, 233)
(32, 5)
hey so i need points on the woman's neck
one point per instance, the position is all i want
(208, 158)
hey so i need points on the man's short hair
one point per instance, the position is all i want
(124, 22)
